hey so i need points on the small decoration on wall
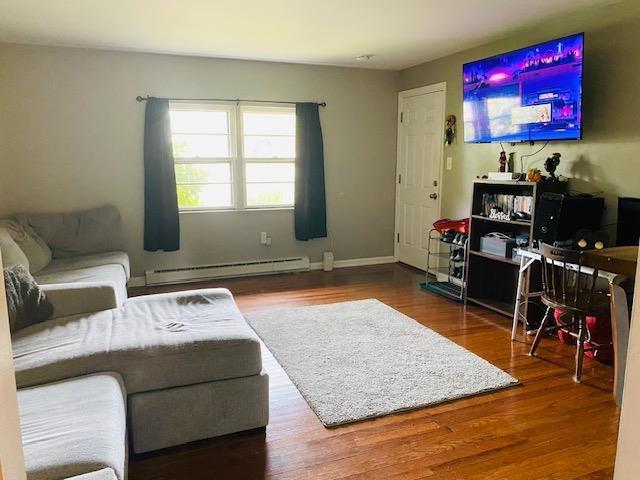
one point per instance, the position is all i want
(551, 164)
(449, 129)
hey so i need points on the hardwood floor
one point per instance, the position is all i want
(547, 428)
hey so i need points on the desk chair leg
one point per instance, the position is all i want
(547, 316)
(582, 335)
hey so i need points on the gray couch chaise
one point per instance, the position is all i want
(191, 365)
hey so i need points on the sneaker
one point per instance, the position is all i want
(458, 255)
(457, 272)
(532, 327)
(463, 239)
(456, 240)
(448, 236)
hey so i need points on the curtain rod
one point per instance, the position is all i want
(237, 100)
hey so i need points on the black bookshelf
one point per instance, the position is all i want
(492, 280)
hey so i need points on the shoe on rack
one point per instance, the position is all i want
(463, 239)
(448, 236)
(457, 272)
(458, 255)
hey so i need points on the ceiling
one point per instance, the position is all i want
(400, 33)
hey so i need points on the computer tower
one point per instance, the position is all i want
(559, 217)
(628, 221)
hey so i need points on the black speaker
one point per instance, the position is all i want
(559, 217)
(545, 227)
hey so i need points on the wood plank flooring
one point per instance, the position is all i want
(548, 428)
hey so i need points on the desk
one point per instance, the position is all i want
(622, 262)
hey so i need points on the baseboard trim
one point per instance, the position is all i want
(137, 282)
(356, 262)
(351, 262)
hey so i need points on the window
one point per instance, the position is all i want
(233, 157)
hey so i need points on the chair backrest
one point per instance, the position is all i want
(564, 281)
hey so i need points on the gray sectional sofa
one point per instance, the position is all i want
(179, 367)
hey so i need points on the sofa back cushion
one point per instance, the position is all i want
(10, 251)
(78, 233)
(27, 304)
(34, 247)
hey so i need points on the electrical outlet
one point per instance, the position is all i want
(263, 238)
(449, 163)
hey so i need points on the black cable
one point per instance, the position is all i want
(531, 155)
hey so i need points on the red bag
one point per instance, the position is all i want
(599, 332)
(444, 224)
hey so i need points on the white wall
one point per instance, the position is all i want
(73, 136)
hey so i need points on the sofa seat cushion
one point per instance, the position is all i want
(74, 427)
(98, 274)
(87, 261)
(154, 342)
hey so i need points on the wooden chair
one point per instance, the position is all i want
(567, 288)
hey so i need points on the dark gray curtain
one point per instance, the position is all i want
(310, 212)
(161, 222)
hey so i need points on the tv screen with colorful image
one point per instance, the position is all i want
(531, 94)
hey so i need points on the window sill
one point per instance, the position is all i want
(234, 210)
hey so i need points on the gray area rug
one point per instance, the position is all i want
(363, 359)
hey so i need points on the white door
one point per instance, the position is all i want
(420, 144)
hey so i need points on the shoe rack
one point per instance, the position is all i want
(446, 265)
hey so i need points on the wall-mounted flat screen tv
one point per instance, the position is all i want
(531, 94)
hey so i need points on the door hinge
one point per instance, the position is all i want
(401, 117)
(397, 237)
(399, 178)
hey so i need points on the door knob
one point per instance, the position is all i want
(433, 195)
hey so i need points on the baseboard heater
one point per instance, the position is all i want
(226, 270)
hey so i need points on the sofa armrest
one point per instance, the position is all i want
(82, 297)
(104, 474)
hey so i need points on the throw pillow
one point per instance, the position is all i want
(26, 302)
(78, 233)
(36, 250)
(11, 252)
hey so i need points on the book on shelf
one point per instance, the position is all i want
(506, 203)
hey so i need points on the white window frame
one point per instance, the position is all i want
(232, 160)
(271, 108)
(236, 150)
